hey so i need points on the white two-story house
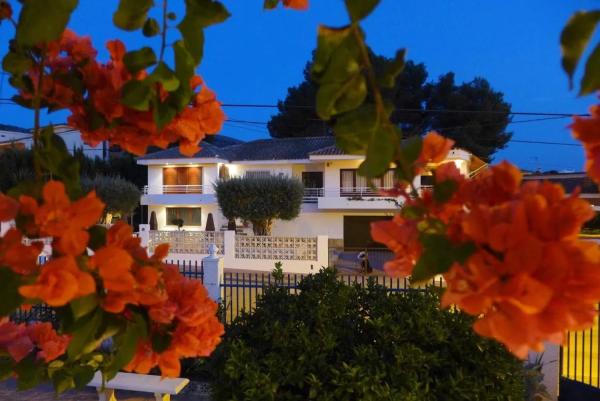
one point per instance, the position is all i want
(338, 202)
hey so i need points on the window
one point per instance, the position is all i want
(351, 183)
(182, 180)
(258, 173)
(191, 216)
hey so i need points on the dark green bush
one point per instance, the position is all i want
(340, 342)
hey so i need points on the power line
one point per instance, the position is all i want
(409, 110)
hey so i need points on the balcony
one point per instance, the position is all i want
(178, 195)
(357, 198)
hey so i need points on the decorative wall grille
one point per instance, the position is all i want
(186, 241)
(275, 248)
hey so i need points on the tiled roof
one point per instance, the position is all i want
(13, 128)
(280, 148)
(261, 149)
(332, 150)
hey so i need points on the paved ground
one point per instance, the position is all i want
(45, 393)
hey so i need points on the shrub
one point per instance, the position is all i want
(260, 200)
(120, 196)
(340, 342)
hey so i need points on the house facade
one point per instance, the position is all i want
(338, 202)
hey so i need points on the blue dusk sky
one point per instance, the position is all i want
(256, 55)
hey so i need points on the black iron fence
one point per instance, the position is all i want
(579, 357)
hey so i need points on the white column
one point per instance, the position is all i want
(550, 368)
(213, 273)
(229, 251)
(322, 253)
(144, 233)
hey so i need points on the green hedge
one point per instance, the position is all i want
(340, 342)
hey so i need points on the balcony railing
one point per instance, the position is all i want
(311, 195)
(176, 189)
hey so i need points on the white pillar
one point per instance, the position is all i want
(322, 253)
(144, 234)
(550, 368)
(229, 251)
(213, 272)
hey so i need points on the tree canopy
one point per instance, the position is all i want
(120, 196)
(260, 200)
(419, 106)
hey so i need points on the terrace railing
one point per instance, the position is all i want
(177, 189)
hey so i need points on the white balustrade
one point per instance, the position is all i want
(177, 189)
(188, 242)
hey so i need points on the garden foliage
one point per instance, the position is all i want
(120, 196)
(260, 200)
(334, 341)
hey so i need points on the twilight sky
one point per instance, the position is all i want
(256, 55)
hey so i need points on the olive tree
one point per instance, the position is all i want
(260, 200)
(120, 196)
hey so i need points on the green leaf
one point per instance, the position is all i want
(392, 69)
(336, 98)
(354, 129)
(439, 254)
(591, 78)
(200, 14)
(97, 237)
(82, 375)
(359, 9)
(151, 28)
(6, 367)
(85, 332)
(62, 381)
(380, 154)
(30, 373)
(575, 37)
(164, 113)
(16, 63)
(163, 74)
(328, 41)
(137, 60)
(43, 21)
(443, 191)
(184, 69)
(193, 37)
(56, 159)
(132, 14)
(9, 288)
(270, 4)
(126, 343)
(160, 341)
(137, 95)
(83, 305)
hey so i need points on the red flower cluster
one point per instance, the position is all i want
(189, 315)
(19, 340)
(530, 277)
(587, 130)
(97, 109)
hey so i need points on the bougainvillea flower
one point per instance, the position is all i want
(14, 339)
(296, 4)
(21, 258)
(435, 148)
(58, 217)
(587, 130)
(60, 281)
(8, 207)
(51, 345)
(5, 11)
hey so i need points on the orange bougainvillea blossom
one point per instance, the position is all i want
(530, 278)
(98, 109)
(20, 340)
(587, 130)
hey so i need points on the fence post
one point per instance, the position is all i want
(550, 368)
(229, 251)
(322, 252)
(144, 233)
(213, 272)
